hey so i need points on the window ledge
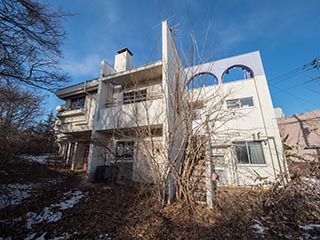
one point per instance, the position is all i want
(252, 165)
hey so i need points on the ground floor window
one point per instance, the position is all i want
(124, 149)
(249, 152)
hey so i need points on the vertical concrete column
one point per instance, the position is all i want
(70, 153)
(96, 152)
(65, 151)
(74, 157)
(78, 156)
(96, 156)
(60, 150)
(209, 185)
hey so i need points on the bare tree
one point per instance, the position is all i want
(30, 39)
(139, 105)
(19, 110)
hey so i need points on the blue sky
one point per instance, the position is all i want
(285, 32)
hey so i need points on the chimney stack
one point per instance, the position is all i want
(123, 60)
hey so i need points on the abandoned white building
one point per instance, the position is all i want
(137, 115)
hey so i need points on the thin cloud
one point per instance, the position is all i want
(84, 67)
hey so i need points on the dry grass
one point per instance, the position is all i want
(132, 212)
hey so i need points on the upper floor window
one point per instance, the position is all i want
(77, 103)
(197, 114)
(249, 152)
(124, 149)
(240, 103)
(134, 96)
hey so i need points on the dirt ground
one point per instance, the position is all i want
(56, 203)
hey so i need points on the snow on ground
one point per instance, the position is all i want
(32, 236)
(45, 215)
(36, 158)
(310, 226)
(258, 227)
(14, 194)
(50, 214)
(68, 203)
(312, 181)
(64, 236)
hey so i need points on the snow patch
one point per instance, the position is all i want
(36, 158)
(258, 227)
(75, 198)
(45, 215)
(310, 226)
(104, 236)
(56, 181)
(33, 235)
(14, 194)
(9, 221)
(48, 215)
(312, 181)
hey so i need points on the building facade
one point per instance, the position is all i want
(136, 118)
(301, 136)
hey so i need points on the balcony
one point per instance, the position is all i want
(72, 113)
(145, 113)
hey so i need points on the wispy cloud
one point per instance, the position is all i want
(87, 67)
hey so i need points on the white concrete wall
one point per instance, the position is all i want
(174, 78)
(150, 160)
(246, 124)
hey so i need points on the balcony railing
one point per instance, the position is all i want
(118, 115)
(72, 112)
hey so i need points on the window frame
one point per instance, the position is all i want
(238, 103)
(135, 96)
(124, 154)
(78, 103)
(249, 157)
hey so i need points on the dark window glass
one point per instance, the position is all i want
(77, 103)
(124, 149)
(249, 152)
(246, 102)
(241, 152)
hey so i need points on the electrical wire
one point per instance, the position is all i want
(314, 64)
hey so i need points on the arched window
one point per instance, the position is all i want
(237, 72)
(202, 79)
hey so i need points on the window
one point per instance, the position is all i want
(249, 153)
(77, 103)
(197, 114)
(134, 96)
(240, 103)
(124, 149)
